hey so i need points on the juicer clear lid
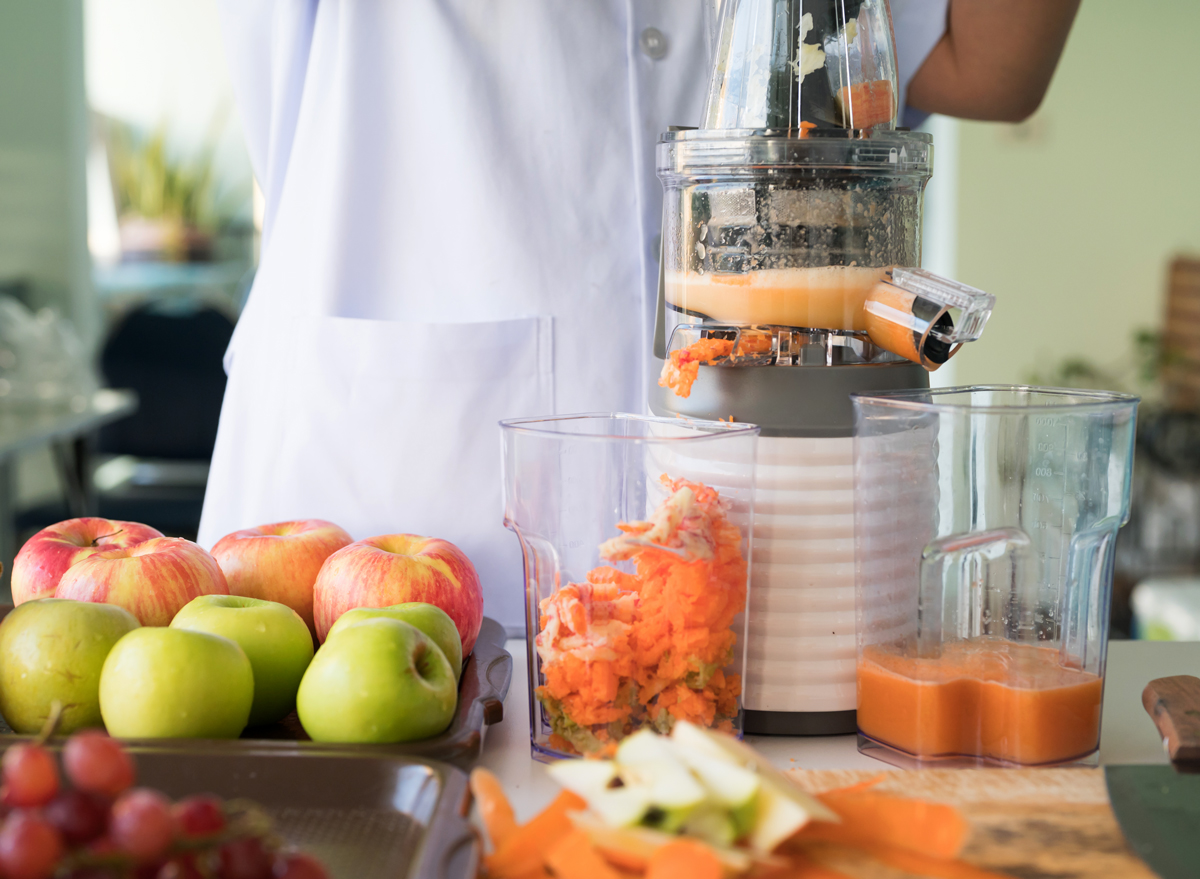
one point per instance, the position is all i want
(753, 151)
(797, 65)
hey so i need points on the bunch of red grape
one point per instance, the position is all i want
(104, 828)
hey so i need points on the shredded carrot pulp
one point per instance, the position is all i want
(682, 367)
(622, 651)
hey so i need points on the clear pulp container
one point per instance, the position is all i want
(636, 539)
(986, 519)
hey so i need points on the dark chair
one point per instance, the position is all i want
(170, 353)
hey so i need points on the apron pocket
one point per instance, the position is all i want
(383, 427)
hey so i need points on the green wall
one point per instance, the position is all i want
(1071, 218)
(43, 145)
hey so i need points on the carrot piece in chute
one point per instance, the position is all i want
(867, 104)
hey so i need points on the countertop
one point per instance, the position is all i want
(1126, 733)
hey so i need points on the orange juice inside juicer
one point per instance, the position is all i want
(982, 608)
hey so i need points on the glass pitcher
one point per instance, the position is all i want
(986, 519)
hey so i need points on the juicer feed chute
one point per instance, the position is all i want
(788, 220)
(790, 66)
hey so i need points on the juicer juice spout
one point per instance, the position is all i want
(924, 317)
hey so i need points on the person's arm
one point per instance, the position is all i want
(995, 60)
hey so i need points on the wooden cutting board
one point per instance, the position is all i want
(1027, 823)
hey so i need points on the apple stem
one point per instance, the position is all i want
(51, 724)
(96, 541)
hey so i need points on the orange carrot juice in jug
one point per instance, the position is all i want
(985, 531)
(985, 697)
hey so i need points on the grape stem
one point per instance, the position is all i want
(53, 719)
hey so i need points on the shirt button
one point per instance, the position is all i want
(653, 43)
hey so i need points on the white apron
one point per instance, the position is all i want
(461, 226)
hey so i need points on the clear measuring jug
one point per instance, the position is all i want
(635, 533)
(986, 519)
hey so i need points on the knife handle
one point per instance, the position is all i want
(1174, 705)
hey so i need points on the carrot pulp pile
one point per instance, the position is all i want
(682, 367)
(984, 697)
(621, 651)
(683, 364)
(913, 835)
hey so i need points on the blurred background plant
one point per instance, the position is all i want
(170, 203)
(1140, 370)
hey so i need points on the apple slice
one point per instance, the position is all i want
(728, 784)
(712, 823)
(647, 760)
(782, 808)
(583, 777)
(622, 807)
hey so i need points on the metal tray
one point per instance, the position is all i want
(364, 817)
(481, 691)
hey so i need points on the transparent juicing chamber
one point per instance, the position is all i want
(636, 535)
(986, 519)
(784, 232)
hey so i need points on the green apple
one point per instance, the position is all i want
(160, 682)
(52, 650)
(378, 680)
(275, 638)
(429, 618)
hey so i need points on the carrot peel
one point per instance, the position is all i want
(934, 830)
(523, 850)
(574, 857)
(495, 810)
(684, 859)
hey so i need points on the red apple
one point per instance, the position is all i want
(46, 556)
(395, 568)
(279, 562)
(151, 580)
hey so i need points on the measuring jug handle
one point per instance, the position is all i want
(960, 576)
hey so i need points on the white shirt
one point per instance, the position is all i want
(461, 226)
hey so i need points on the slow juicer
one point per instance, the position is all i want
(785, 219)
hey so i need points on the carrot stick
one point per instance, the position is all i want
(574, 857)
(684, 859)
(806, 868)
(524, 850)
(931, 829)
(924, 865)
(495, 810)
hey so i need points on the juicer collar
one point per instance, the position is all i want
(730, 151)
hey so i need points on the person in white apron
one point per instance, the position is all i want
(462, 221)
